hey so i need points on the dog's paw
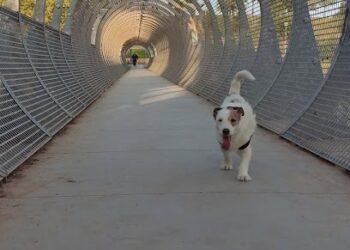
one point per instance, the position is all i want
(244, 178)
(226, 167)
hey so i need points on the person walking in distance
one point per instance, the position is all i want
(134, 59)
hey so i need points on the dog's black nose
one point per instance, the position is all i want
(226, 131)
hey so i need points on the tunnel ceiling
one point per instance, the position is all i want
(158, 25)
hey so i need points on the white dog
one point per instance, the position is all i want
(235, 124)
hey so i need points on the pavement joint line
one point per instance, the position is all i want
(173, 193)
(163, 130)
(152, 150)
(131, 151)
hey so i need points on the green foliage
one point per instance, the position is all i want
(140, 51)
(231, 5)
(221, 25)
(327, 30)
(315, 4)
(254, 23)
(49, 8)
(27, 8)
(281, 11)
(66, 5)
(181, 3)
(50, 5)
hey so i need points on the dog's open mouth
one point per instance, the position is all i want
(226, 142)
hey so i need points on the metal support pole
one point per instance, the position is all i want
(39, 11)
(57, 12)
(69, 19)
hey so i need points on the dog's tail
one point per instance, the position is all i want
(237, 80)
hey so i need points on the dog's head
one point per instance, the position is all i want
(227, 120)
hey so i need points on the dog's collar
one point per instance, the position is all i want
(244, 146)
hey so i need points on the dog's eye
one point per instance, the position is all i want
(220, 120)
(233, 120)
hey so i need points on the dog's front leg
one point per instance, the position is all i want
(227, 165)
(246, 155)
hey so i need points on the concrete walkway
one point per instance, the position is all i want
(139, 170)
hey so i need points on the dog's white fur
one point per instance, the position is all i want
(242, 130)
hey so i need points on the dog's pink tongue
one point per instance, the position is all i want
(226, 142)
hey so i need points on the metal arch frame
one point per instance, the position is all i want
(208, 89)
(96, 11)
(70, 70)
(215, 96)
(14, 97)
(167, 35)
(227, 51)
(37, 74)
(120, 9)
(292, 43)
(23, 108)
(190, 52)
(279, 72)
(217, 46)
(71, 10)
(35, 145)
(266, 28)
(185, 76)
(346, 26)
(150, 10)
(203, 66)
(59, 75)
(86, 56)
(214, 22)
(304, 143)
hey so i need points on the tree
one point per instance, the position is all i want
(27, 8)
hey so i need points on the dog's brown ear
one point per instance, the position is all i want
(215, 112)
(240, 110)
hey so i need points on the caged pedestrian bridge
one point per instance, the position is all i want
(98, 154)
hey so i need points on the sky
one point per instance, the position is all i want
(319, 12)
